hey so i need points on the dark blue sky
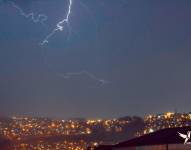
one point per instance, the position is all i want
(141, 47)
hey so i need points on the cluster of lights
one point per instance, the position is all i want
(22, 128)
(42, 145)
(166, 120)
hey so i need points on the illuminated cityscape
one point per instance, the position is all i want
(78, 134)
(19, 128)
(166, 120)
(60, 134)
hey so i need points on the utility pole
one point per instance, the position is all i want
(166, 146)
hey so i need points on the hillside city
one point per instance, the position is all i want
(78, 134)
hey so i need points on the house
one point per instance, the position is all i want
(165, 139)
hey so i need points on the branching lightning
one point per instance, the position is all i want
(86, 73)
(59, 25)
(39, 18)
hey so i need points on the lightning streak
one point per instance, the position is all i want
(60, 25)
(40, 18)
(88, 74)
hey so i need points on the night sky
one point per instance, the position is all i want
(141, 48)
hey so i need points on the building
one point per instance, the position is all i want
(5, 144)
(166, 139)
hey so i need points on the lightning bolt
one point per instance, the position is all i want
(59, 25)
(86, 73)
(40, 17)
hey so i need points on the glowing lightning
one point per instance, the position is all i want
(60, 25)
(40, 18)
(88, 74)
